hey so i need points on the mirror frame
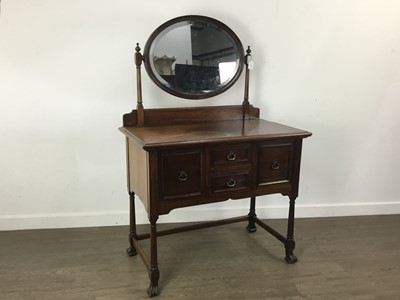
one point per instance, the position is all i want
(174, 21)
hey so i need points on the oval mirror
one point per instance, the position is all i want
(194, 57)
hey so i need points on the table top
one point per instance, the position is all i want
(210, 132)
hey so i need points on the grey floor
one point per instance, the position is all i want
(339, 258)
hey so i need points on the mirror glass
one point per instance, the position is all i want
(194, 57)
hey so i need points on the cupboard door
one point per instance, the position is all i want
(181, 173)
(275, 162)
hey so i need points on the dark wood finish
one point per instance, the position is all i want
(246, 102)
(154, 273)
(181, 173)
(210, 132)
(179, 157)
(231, 154)
(139, 106)
(275, 160)
(184, 116)
(131, 251)
(211, 154)
(251, 227)
(289, 242)
(201, 225)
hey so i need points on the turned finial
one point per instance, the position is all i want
(138, 56)
(137, 48)
(248, 51)
(247, 56)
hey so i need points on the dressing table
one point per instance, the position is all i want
(180, 157)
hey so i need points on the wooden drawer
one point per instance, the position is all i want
(181, 173)
(231, 154)
(274, 163)
(233, 181)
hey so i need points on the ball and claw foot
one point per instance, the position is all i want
(251, 229)
(290, 259)
(153, 291)
(130, 251)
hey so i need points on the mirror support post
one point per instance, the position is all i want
(139, 106)
(246, 103)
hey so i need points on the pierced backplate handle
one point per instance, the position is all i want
(231, 183)
(231, 156)
(182, 176)
(275, 165)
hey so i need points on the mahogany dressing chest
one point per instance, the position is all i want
(180, 157)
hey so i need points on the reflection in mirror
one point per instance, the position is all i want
(194, 58)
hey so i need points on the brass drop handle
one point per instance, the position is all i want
(182, 176)
(275, 165)
(231, 183)
(231, 156)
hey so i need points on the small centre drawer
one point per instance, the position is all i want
(231, 154)
(230, 182)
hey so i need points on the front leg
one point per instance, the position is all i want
(289, 242)
(154, 272)
(131, 251)
(251, 227)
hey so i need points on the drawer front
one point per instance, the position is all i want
(181, 174)
(231, 154)
(274, 163)
(234, 181)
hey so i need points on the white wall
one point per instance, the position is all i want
(67, 76)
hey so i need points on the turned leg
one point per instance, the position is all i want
(289, 242)
(251, 227)
(154, 273)
(131, 251)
